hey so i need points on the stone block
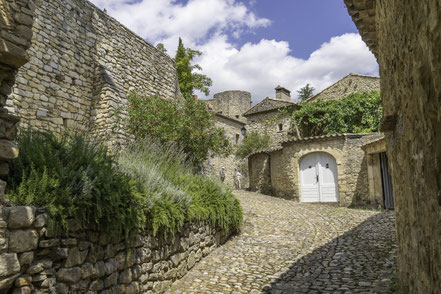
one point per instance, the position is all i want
(75, 257)
(9, 264)
(7, 282)
(22, 281)
(26, 258)
(69, 275)
(8, 150)
(21, 217)
(23, 240)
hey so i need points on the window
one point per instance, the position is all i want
(237, 116)
(236, 140)
(280, 127)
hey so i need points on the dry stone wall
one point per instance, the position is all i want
(33, 258)
(16, 18)
(83, 63)
(409, 42)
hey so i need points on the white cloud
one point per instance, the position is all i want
(260, 67)
(206, 25)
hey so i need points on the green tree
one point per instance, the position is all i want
(306, 92)
(356, 113)
(253, 142)
(161, 48)
(188, 123)
(187, 78)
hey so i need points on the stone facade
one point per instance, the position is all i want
(407, 45)
(230, 103)
(16, 32)
(233, 131)
(276, 123)
(35, 259)
(278, 171)
(83, 64)
(347, 85)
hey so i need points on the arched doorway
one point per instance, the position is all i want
(318, 176)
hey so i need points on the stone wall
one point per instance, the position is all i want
(83, 64)
(213, 165)
(260, 173)
(284, 166)
(268, 122)
(347, 85)
(409, 42)
(231, 103)
(16, 18)
(35, 259)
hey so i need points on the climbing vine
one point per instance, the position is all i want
(356, 113)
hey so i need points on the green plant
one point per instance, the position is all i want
(189, 80)
(253, 142)
(188, 123)
(75, 178)
(174, 194)
(306, 92)
(356, 113)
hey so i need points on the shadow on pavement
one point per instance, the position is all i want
(362, 260)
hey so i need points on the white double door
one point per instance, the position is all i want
(319, 178)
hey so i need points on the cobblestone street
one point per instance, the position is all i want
(288, 247)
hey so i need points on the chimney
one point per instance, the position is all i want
(283, 93)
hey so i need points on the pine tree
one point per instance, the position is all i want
(306, 92)
(189, 80)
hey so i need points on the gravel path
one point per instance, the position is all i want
(289, 247)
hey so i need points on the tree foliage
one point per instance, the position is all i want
(189, 81)
(253, 142)
(356, 113)
(306, 92)
(188, 123)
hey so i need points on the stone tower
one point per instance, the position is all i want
(231, 103)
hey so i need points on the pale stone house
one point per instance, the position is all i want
(317, 169)
(347, 85)
(272, 116)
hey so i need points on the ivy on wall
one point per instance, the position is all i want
(357, 113)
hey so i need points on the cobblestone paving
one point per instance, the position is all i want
(289, 247)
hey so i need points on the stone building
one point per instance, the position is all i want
(405, 36)
(347, 85)
(83, 65)
(380, 182)
(234, 130)
(272, 116)
(329, 168)
(230, 103)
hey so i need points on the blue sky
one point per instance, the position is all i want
(305, 24)
(254, 45)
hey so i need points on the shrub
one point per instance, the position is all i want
(253, 142)
(73, 177)
(356, 113)
(175, 194)
(187, 123)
